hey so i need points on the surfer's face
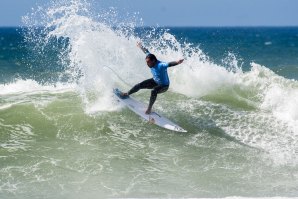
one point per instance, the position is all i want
(150, 62)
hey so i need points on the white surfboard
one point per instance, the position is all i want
(153, 118)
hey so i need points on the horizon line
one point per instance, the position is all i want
(172, 26)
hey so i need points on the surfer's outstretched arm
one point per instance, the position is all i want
(174, 63)
(145, 50)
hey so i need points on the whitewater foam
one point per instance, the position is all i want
(30, 86)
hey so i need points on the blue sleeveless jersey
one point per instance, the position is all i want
(160, 73)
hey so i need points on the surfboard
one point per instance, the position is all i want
(139, 108)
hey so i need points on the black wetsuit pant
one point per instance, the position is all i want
(149, 84)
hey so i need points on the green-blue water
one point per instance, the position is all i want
(63, 135)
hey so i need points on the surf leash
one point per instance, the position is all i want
(116, 74)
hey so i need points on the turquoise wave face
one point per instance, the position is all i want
(63, 135)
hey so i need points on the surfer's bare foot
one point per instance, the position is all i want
(148, 111)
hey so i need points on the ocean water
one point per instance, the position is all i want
(63, 134)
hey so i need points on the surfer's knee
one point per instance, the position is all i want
(154, 92)
(164, 89)
(160, 89)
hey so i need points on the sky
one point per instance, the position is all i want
(179, 12)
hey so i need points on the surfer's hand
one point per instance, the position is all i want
(180, 61)
(145, 50)
(175, 63)
(139, 44)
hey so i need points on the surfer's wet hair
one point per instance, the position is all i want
(151, 57)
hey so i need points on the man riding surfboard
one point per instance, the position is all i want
(160, 81)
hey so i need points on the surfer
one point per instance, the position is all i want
(160, 81)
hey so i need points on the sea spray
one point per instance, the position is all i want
(99, 53)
